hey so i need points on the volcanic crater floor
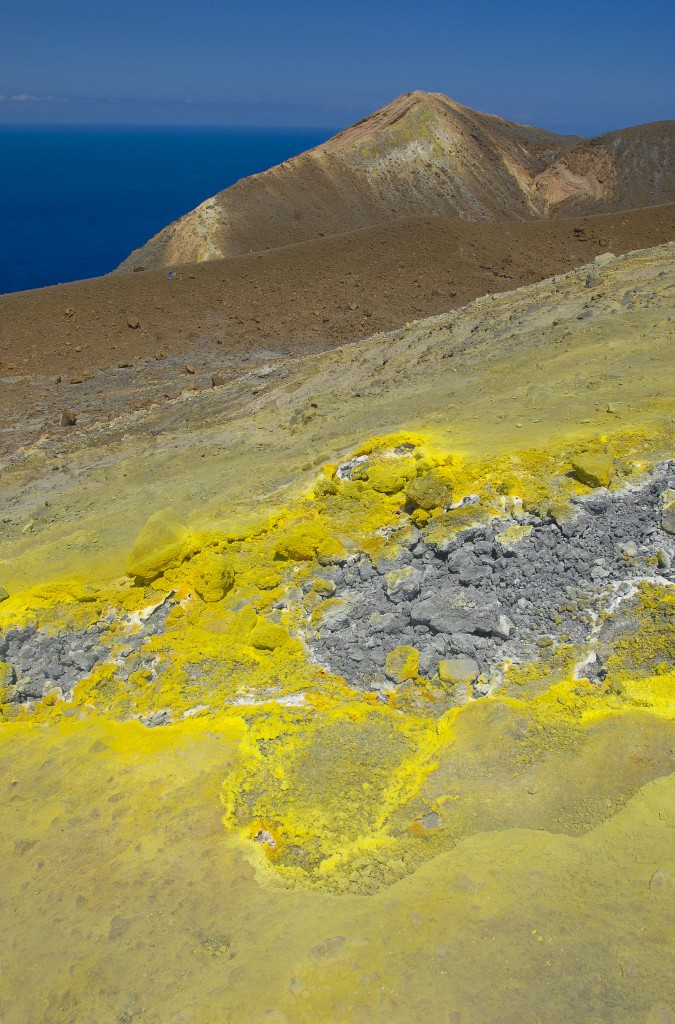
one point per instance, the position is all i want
(381, 705)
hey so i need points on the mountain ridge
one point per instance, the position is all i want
(422, 155)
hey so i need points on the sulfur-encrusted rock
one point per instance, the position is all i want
(593, 470)
(4, 594)
(267, 636)
(163, 543)
(386, 479)
(302, 541)
(457, 671)
(212, 575)
(509, 539)
(7, 679)
(403, 584)
(332, 614)
(442, 531)
(402, 664)
(429, 491)
(324, 587)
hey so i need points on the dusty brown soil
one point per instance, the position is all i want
(72, 346)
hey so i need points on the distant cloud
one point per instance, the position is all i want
(24, 97)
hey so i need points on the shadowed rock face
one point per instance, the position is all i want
(421, 155)
(623, 170)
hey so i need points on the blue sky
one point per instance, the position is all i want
(580, 67)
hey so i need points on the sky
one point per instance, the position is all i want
(583, 67)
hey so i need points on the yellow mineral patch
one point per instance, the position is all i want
(211, 574)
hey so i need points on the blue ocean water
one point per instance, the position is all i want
(75, 200)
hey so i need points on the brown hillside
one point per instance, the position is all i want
(421, 155)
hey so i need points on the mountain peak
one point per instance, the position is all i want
(423, 154)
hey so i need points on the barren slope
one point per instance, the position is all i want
(227, 315)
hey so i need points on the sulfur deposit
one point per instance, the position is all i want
(370, 695)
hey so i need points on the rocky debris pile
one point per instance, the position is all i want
(37, 662)
(456, 609)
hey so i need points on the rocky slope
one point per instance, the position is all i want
(340, 686)
(72, 347)
(421, 155)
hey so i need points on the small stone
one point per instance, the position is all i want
(76, 380)
(68, 418)
(23, 846)
(266, 838)
(402, 664)
(124, 364)
(661, 881)
(328, 949)
(4, 594)
(189, 368)
(217, 380)
(429, 821)
(118, 926)
(457, 671)
(7, 677)
(598, 502)
(133, 323)
(324, 587)
(503, 627)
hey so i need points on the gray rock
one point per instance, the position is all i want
(405, 588)
(458, 671)
(463, 643)
(439, 614)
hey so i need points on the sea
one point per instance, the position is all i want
(75, 201)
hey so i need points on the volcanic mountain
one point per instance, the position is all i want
(422, 155)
